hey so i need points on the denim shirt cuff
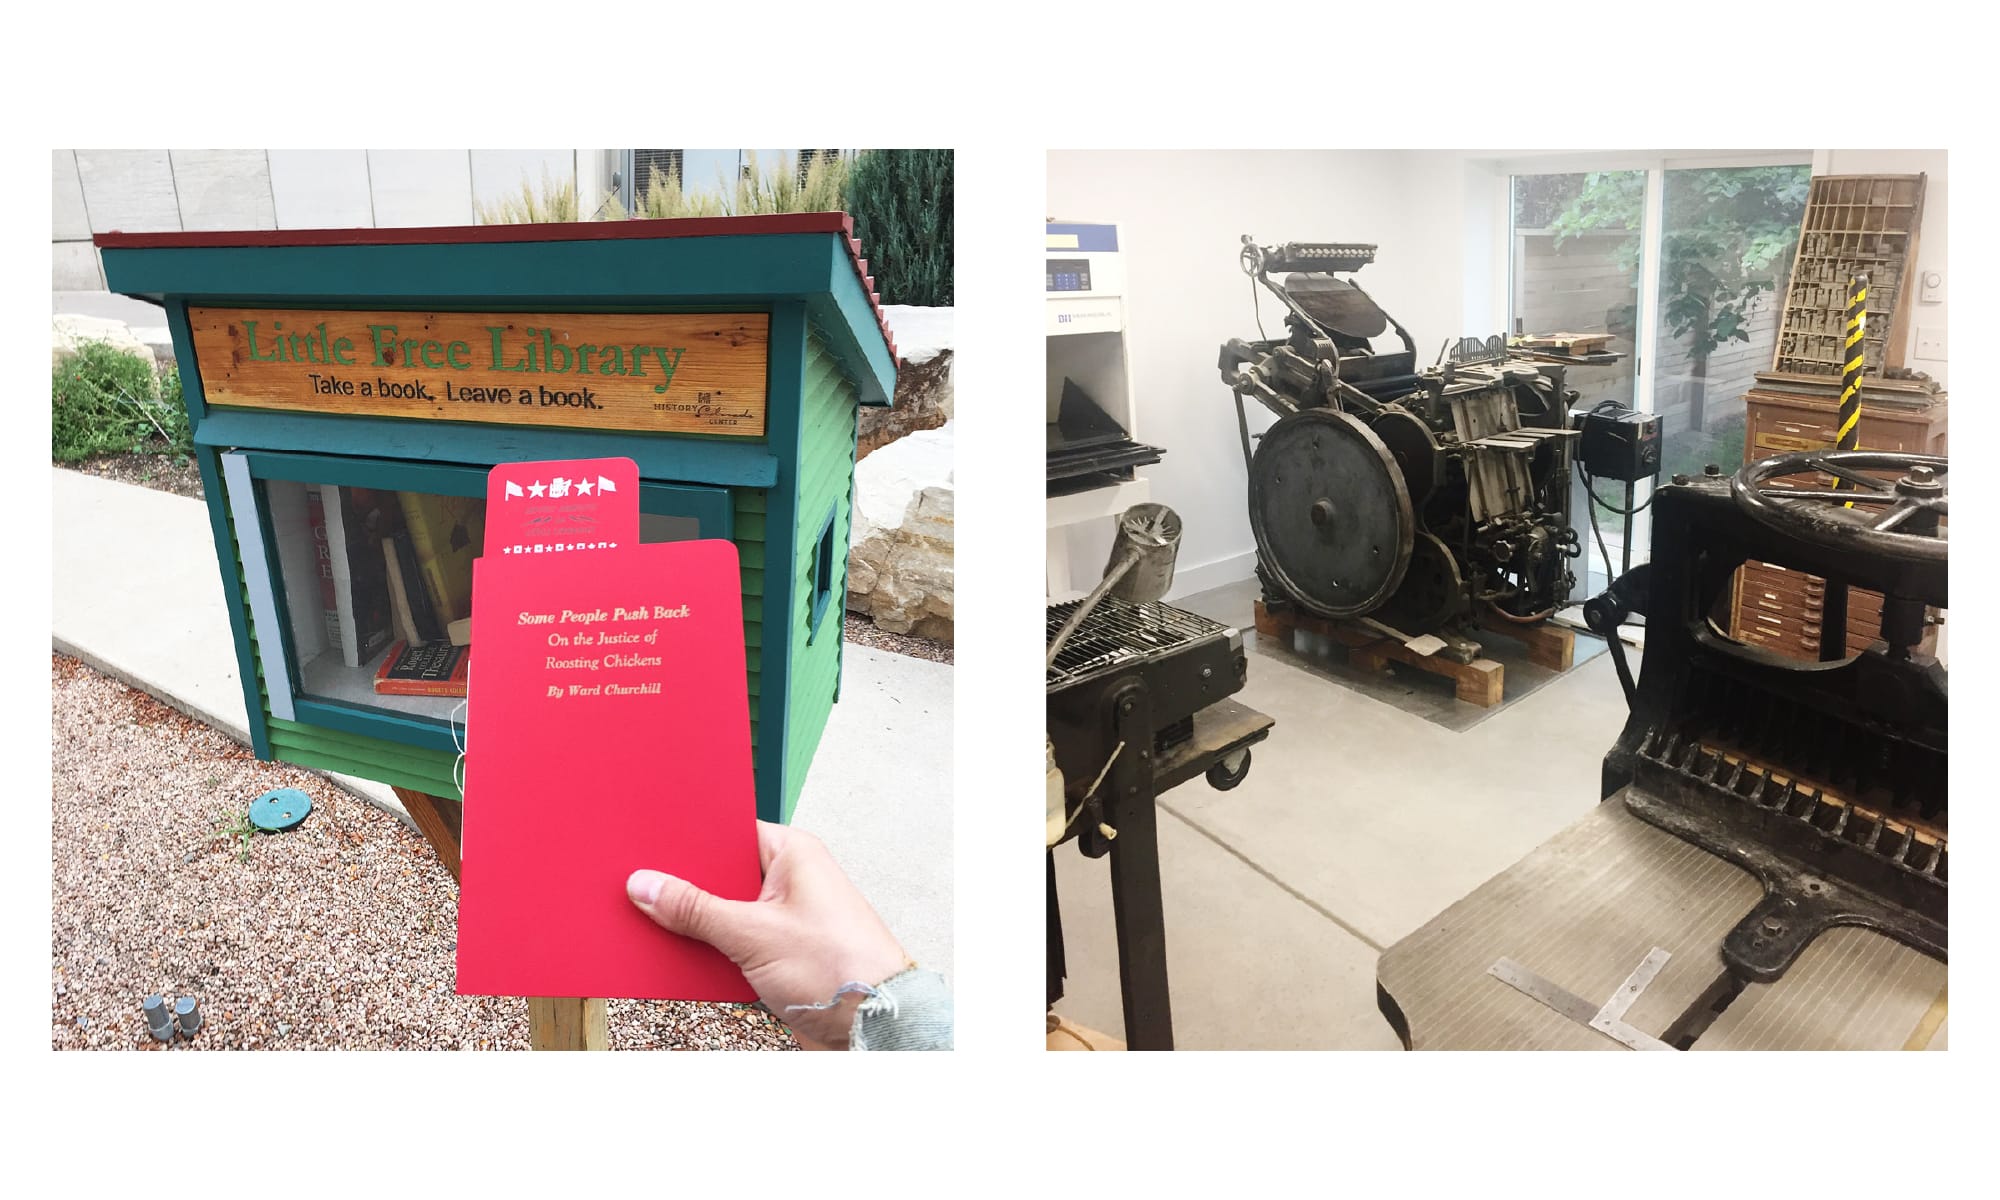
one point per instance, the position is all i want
(907, 1011)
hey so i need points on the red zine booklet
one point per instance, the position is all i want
(580, 504)
(609, 731)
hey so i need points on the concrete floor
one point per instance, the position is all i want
(1358, 823)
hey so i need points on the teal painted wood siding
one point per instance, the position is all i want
(826, 474)
(749, 538)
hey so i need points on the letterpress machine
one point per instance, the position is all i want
(1768, 867)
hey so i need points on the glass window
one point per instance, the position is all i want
(1728, 239)
(377, 586)
(1724, 250)
(1576, 260)
(361, 594)
(819, 573)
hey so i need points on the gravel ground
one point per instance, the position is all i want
(336, 935)
(861, 630)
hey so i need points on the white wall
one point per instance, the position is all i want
(322, 189)
(1181, 215)
(163, 191)
(1930, 234)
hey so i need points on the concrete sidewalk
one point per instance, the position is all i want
(137, 595)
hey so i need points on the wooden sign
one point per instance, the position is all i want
(652, 372)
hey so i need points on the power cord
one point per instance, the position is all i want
(1591, 512)
(1597, 502)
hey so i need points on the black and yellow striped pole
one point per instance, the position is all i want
(1833, 604)
(1848, 437)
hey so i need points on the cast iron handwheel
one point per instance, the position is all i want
(1221, 778)
(1330, 512)
(1868, 516)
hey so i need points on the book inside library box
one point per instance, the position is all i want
(377, 590)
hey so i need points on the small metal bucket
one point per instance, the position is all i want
(1150, 534)
(1140, 569)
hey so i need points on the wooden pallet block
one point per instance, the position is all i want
(1481, 681)
(1549, 645)
(1568, 343)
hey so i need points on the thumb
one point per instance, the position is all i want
(680, 907)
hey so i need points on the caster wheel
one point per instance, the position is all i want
(1229, 772)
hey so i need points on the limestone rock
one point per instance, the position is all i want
(71, 330)
(923, 377)
(923, 401)
(899, 564)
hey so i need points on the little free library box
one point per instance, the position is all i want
(349, 390)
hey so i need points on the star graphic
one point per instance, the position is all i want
(537, 489)
(583, 487)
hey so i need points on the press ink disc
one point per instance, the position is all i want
(280, 809)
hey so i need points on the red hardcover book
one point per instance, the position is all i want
(609, 731)
(432, 669)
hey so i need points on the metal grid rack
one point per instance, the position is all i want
(1854, 225)
(1119, 632)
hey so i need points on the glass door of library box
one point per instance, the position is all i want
(363, 568)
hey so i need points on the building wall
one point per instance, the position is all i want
(1181, 215)
(164, 191)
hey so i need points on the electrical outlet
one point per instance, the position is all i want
(1930, 344)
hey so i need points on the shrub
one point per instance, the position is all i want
(782, 191)
(756, 189)
(111, 401)
(663, 197)
(902, 206)
(553, 203)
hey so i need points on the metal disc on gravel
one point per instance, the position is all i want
(280, 809)
(1330, 512)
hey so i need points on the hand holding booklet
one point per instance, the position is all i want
(608, 730)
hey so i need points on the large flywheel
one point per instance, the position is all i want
(1330, 512)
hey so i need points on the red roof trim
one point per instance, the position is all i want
(567, 231)
(571, 231)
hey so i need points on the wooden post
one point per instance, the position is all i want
(439, 820)
(565, 1023)
(554, 1023)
